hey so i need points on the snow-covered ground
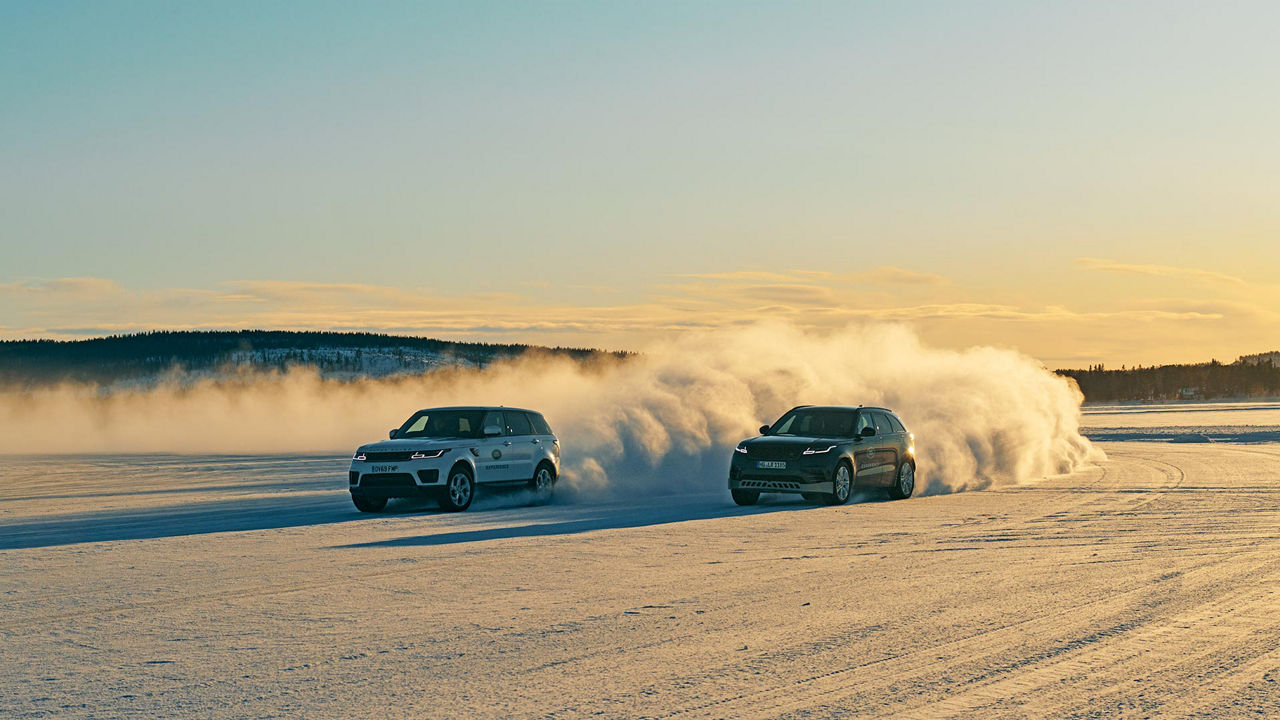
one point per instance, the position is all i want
(1146, 586)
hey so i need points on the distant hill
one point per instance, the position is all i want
(1250, 376)
(143, 357)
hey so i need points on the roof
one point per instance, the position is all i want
(845, 407)
(478, 407)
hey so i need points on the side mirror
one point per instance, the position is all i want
(764, 429)
(393, 433)
(492, 430)
(868, 432)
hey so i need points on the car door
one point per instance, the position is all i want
(887, 441)
(902, 440)
(521, 445)
(492, 462)
(864, 451)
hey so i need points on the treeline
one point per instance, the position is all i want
(1203, 381)
(112, 359)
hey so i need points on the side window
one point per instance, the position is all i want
(897, 426)
(540, 426)
(882, 424)
(493, 417)
(864, 421)
(518, 423)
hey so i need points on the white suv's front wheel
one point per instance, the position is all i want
(459, 490)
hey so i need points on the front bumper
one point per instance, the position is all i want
(780, 485)
(398, 479)
(800, 476)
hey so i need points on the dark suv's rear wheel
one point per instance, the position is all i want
(905, 483)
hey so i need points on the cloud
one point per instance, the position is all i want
(1139, 329)
(78, 287)
(884, 275)
(890, 275)
(1161, 271)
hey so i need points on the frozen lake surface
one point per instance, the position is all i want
(1146, 585)
(1253, 422)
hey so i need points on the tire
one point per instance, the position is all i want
(904, 483)
(368, 504)
(543, 484)
(841, 484)
(745, 497)
(459, 490)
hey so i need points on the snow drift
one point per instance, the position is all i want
(664, 420)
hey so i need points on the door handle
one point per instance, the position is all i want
(508, 442)
(536, 441)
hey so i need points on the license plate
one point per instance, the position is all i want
(771, 465)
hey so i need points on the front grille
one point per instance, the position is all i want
(384, 480)
(773, 452)
(398, 456)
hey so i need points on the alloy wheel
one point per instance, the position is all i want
(460, 488)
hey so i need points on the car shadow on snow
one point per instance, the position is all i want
(574, 519)
(176, 520)
(288, 510)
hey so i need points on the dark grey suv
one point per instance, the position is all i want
(823, 452)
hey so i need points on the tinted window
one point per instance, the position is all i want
(518, 423)
(864, 421)
(442, 424)
(540, 426)
(882, 424)
(815, 423)
(494, 417)
(897, 426)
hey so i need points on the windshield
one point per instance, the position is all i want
(811, 422)
(443, 424)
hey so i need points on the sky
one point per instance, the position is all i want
(1083, 181)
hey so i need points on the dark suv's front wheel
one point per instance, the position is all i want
(745, 497)
(841, 485)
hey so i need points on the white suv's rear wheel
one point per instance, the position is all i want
(543, 483)
(459, 490)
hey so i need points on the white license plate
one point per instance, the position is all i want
(771, 465)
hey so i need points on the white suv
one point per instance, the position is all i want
(444, 453)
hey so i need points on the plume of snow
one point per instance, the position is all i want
(661, 421)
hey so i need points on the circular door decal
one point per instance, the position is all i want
(497, 454)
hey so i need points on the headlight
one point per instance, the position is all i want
(817, 451)
(358, 456)
(740, 449)
(428, 454)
